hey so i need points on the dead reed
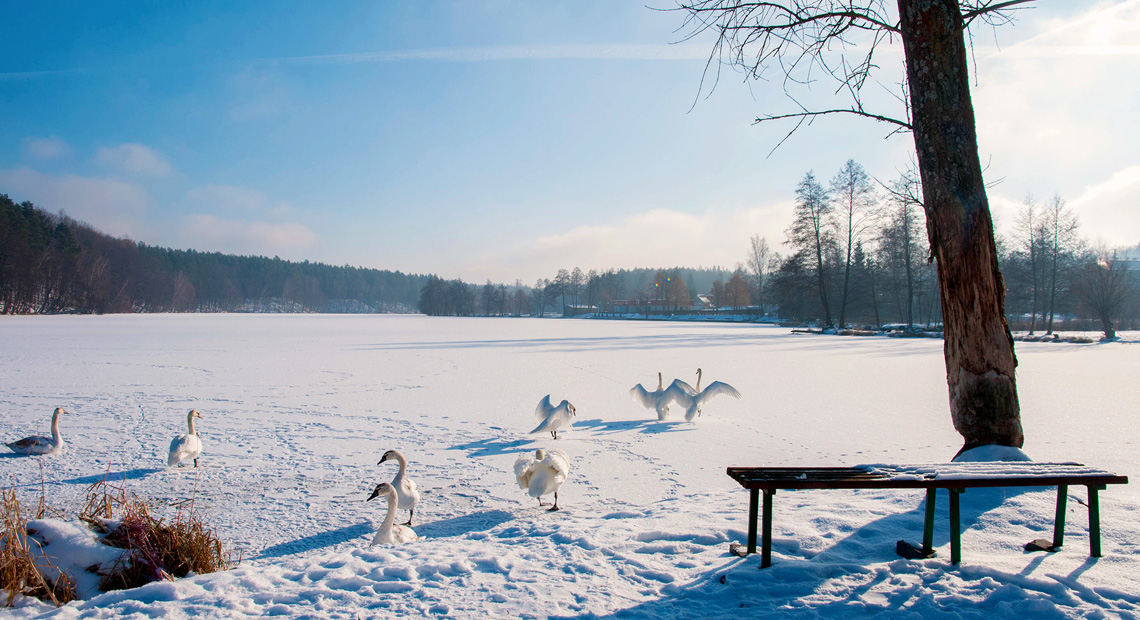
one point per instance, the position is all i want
(158, 549)
(20, 572)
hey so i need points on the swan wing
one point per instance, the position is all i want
(679, 392)
(403, 534)
(558, 461)
(31, 445)
(639, 394)
(523, 471)
(183, 447)
(717, 388)
(407, 494)
(549, 474)
(544, 408)
(682, 386)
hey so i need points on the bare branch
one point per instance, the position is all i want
(903, 126)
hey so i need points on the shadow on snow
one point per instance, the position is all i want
(861, 575)
(130, 474)
(320, 540)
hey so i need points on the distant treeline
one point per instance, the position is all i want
(574, 292)
(51, 264)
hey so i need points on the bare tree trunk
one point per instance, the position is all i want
(978, 348)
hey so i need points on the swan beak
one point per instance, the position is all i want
(387, 455)
(375, 492)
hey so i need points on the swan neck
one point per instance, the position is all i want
(698, 388)
(190, 423)
(390, 516)
(660, 382)
(55, 428)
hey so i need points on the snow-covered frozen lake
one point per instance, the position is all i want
(297, 410)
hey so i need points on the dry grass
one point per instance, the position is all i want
(159, 549)
(20, 573)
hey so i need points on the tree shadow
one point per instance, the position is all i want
(320, 540)
(463, 524)
(130, 474)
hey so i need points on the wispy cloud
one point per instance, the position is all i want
(617, 51)
(135, 159)
(113, 206)
(239, 236)
(655, 238)
(45, 148)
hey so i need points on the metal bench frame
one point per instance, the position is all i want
(771, 479)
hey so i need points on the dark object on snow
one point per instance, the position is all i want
(911, 551)
(1041, 544)
(953, 477)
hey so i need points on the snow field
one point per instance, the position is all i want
(298, 409)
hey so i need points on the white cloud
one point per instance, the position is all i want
(1110, 208)
(211, 233)
(113, 206)
(656, 238)
(228, 198)
(45, 148)
(134, 159)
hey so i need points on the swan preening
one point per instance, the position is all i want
(693, 398)
(543, 474)
(658, 399)
(553, 418)
(42, 445)
(390, 532)
(405, 487)
(187, 446)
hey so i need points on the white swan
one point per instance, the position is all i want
(543, 474)
(693, 398)
(188, 446)
(390, 533)
(42, 445)
(405, 487)
(658, 399)
(553, 418)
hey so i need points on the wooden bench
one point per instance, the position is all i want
(955, 478)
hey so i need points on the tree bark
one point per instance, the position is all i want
(978, 348)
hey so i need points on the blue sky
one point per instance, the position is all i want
(503, 139)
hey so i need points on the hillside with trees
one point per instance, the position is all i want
(51, 264)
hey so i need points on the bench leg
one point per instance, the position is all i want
(1094, 519)
(1059, 519)
(928, 524)
(955, 527)
(766, 545)
(753, 517)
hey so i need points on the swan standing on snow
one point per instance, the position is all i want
(405, 486)
(187, 446)
(658, 399)
(692, 398)
(553, 418)
(42, 445)
(543, 474)
(389, 532)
